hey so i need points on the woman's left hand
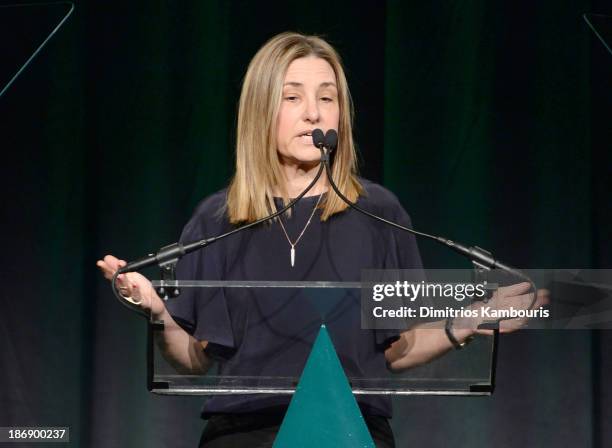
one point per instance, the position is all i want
(515, 296)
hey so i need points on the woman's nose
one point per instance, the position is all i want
(311, 112)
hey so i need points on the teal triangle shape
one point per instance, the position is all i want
(323, 411)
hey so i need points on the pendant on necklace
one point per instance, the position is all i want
(292, 256)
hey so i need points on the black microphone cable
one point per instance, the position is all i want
(328, 143)
(173, 252)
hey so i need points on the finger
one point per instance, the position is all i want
(105, 269)
(124, 287)
(138, 295)
(510, 325)
(515, 290)
(125, 290)
(129, 279)
(122, 280)
(543, 297)
(523, 301)
(101, 265)
(112, 261)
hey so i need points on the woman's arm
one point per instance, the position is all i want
(184, 352)
(423, 344)
(181, 350)
(428, 341)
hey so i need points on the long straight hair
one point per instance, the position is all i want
(258, 169)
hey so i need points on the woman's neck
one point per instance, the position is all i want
(298, 177)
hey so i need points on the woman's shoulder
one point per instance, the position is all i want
(213, 204)
(208, 217)
(377, 195)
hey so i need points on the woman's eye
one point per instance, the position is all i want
(291, 98)
(327, 99)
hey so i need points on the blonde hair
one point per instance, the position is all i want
(258, 168)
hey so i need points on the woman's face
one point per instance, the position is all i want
(310, 101)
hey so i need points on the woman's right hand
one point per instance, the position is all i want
(134, 287)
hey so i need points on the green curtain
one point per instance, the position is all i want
(487, 120)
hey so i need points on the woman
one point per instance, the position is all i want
(294, 84)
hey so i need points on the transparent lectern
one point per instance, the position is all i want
(336, 305)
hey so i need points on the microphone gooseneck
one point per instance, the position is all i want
(167, 257)
(477, 255)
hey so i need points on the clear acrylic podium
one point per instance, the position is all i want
(469, 371)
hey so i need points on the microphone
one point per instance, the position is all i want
(331, 140)
(318, 139)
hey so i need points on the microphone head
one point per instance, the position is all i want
(331, 140)
(318, 139)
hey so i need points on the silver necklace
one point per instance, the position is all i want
(293, 244)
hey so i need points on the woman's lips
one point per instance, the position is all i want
(305, 139)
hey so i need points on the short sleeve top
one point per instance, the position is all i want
(259, 332)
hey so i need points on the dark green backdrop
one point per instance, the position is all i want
(489, 120)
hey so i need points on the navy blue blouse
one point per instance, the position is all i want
(261, 332)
